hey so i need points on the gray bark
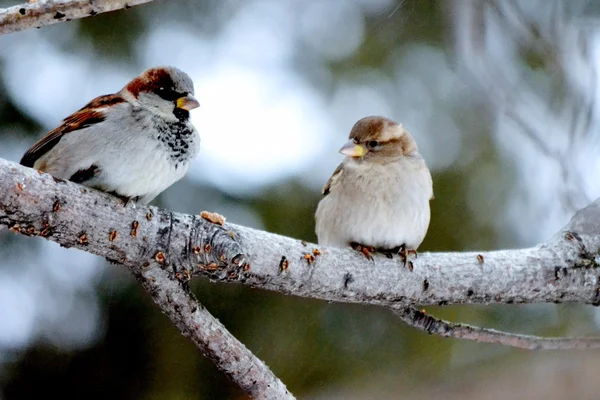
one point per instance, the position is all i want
(146, 241)
(211, 337)
(564, 269)
(49, 12)
(164, 249)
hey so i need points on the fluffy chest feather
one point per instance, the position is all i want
(134, 153)
(378, 205)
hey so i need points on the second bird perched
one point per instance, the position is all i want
(378, 198)
(134, 143)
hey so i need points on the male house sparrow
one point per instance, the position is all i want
(378, 197)
(134, 143)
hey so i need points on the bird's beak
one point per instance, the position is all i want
(187, 103)
(353, 150)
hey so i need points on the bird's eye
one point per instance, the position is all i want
(372, 144)
(161, 89)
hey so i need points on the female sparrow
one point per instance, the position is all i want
(134, 143)
(378, 197)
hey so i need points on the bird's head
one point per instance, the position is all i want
(166, 91)
(378, 139)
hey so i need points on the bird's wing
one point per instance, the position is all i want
(333, 180)
(91, 114)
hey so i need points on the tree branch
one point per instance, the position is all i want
(148, 257)
(45, 12)
(430, 324)
(565, 269)
(211, 337)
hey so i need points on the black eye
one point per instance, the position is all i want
(168, 93)
(372, 144)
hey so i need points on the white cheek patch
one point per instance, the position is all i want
(392, 133)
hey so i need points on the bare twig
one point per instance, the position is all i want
(44, 12)
(432, 325)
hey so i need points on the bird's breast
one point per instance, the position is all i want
(179, 138)
(383, 206)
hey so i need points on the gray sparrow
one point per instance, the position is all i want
(134, 143)
(378, 197)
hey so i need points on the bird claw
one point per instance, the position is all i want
(403, 252)
(126, 200)
(129, 200)
(388, 254)
(365, 250)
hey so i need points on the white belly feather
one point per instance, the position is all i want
(131, 164)
(383, 206)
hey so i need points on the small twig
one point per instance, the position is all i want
(432, 325)
(42, 13)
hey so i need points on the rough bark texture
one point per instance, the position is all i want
(565, 269)
(164, 250)
(214, 340)
(48, 12)
(146, 241)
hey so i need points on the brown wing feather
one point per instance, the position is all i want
(91, 114)
(335, 176)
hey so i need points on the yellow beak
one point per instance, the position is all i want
(187, 103)
(353, 150)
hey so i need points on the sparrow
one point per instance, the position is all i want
(378, 197)
(134, 143)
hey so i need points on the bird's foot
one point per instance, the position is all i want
(127, 200)
(365, 250)
(133, 201)
(388, 253)
(403, 252)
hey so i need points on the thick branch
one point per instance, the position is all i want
(215, 341)
(43, 12)
(147, 256)
(565, 269)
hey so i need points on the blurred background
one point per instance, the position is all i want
(501, 95)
